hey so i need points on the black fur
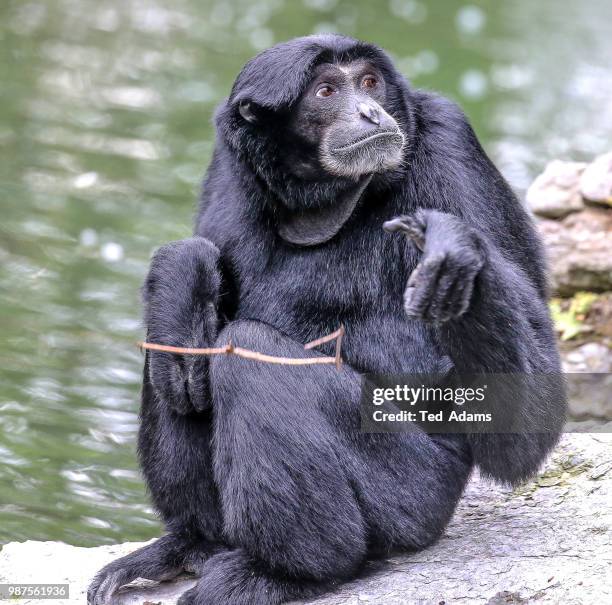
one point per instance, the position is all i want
(267, 487)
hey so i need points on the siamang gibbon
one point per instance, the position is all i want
(268, 489)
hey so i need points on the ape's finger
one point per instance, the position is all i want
(421, 286)
(455, 294)
(437, 309)
(448, 307)
(462, 295)
(400, 223)
(92, 591)
(196, 384)
(166, 372)
(409, 225)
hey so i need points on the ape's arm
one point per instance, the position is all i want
(484, 306)
(507, 329)
(489, 318)
(492, 243)
(481, 280)
(180, 296)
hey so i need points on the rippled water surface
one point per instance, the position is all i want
(105, 111)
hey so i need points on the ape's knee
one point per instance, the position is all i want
(233, 377)
(258, 336)
(181, 272)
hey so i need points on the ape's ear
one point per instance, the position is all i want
(247, 111)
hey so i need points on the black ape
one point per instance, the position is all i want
(268, 489)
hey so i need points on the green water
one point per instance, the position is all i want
(105, 113)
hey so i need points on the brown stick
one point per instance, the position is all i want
(338, 347)
(291, 361)
(230, 349)
(320, 341)
(152, 346)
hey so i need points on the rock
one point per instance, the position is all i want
(589, 396)
(596, 180)
(546, 542)
(588, 370)
(579, 252)
(556, 192)
(600, 316)
(591, 357)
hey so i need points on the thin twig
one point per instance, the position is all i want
(321, 341)
(338, 347)
(291, 361)
(152, 346)
(230, 349)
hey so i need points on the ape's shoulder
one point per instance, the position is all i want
(442, 123)
(434, 107)
(447, 154)
(218, 196)
(452, 172)
(231, 203)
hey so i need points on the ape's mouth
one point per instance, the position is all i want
(384, 138)
(377, 150)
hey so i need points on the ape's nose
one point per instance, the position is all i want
(369, 112)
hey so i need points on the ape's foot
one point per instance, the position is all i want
(163, 560)
(441, 286)
(181, 292)
(234, 578)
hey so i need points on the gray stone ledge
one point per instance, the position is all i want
(547, 542)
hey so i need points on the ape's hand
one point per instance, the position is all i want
(441, 286)
(180, 295)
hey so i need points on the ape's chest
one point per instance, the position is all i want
(308, 293)
(320, 284)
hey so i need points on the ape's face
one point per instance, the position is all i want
(341, 115)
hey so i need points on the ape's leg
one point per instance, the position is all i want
(175, 452)
(176, 460)
(174, 440)
(301, 488)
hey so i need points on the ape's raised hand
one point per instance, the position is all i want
(441, 286)
(180, 295)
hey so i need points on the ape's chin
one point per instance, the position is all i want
(368, 155)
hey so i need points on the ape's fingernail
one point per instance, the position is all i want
(394, 225)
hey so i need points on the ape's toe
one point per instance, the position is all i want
(101, 590)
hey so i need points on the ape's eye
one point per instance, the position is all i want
(369, 82)
(324, 91)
